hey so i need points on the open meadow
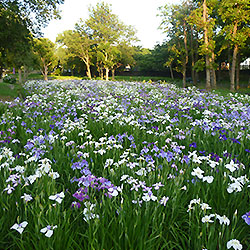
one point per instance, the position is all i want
(124, 166)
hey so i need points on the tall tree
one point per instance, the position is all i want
(44, 49)
(78, 44)
(35, 13)
(18, 20)
(15, 37)
(123, 58)
(236, 17)
(108, 31)
(174, 22)
(202, 20)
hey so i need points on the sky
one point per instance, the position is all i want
(142, 14)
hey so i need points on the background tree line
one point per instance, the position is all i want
(201, 36)
(205, 34)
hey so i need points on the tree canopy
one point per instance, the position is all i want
(204, 38)
(20, 20)
(102, 39)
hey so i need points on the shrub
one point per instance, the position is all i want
(57, 72)
(9, 79)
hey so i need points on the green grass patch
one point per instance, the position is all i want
(8, 91)
(143, 78)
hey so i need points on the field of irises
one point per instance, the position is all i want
(124, 165)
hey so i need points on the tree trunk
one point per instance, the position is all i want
(193, 73)
(86, 60)
(25, 73)
(208, 80)
(184, 78)
(88, 71)
(196, 57)
(171, 71)
(238, 72)
(192, 55)
(113, 74)
(45, 73)
(1, 72)
(235, 52)
(232, 84)
(214, 78)
(213, 70)
(20, 76)
(229, 58)
(107, 74)
(101, 73)
(186, 52)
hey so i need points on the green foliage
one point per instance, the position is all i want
(236, 18)
(108, 33)
(44, 49)
(20, 19)
(9, 79)
(77, 44)
(200, 65)
(103, 25)
(15, 38)
(36, 13)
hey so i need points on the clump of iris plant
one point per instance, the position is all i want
(88, 181)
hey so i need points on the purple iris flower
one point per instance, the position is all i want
(144, 150)
(29, 145)
(80, 194)
(85, 171)
(155, 148)
(223, 137)
(149, 158)
(234, 140)
(75, 204)
(246, 217)
(185, 159)
(79, 164)
(193, 145)
(162, 154)
(23, 124)
(169, 156)
(131, 138)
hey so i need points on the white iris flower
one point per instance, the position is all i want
(48, 231)
(57, 197)
(20, 227)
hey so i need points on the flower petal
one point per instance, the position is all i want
(24, 224)
(44, 230)
(15, 226)
(49, 233)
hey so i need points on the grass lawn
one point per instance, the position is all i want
(8, 91)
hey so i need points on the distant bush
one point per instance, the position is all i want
(9, 79)
(57, 72)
